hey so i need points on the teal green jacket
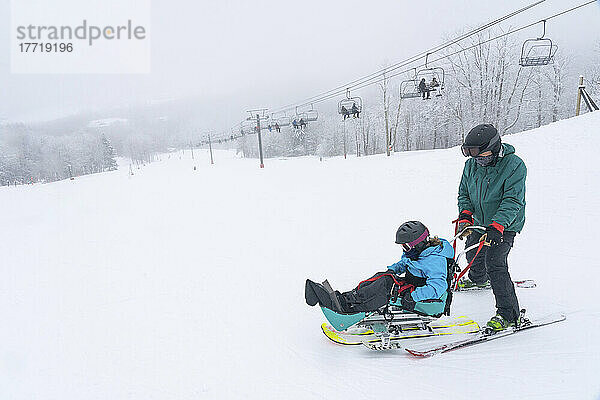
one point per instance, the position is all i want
(495, 193)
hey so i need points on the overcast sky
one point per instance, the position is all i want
(269, 53)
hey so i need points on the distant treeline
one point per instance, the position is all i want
(68, 148)
(29, 157)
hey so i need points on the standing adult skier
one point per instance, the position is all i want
(492, 194)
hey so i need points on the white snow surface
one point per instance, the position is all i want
(183, 284)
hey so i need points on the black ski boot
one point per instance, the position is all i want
(323, 294)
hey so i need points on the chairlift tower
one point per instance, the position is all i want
(261, 115)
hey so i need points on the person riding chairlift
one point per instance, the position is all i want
(355, 111)
(345, 112)
(434, 85)
(424, 89)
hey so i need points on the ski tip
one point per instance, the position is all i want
(419, 354)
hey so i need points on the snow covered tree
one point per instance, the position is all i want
(593, 74)
(108, 155)
(486, 84)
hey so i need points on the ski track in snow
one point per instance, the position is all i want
(182, 284)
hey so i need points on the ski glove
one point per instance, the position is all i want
(465, 219)
(407, 301)
(494, 233)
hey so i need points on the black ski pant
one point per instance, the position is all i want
(492, 263)
(369, 295)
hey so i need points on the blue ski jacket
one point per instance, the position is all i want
(432, 265)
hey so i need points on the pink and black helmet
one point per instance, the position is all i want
(411, 234)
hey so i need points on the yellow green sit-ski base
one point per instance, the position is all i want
(441, 326)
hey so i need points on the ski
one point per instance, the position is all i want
(485, 336)
(525, 284)
(522, 284)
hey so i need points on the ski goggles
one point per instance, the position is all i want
(411, 245)
(474, 151)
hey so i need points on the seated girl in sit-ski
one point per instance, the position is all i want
(422, 289)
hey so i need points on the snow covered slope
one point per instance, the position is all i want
(182, 284)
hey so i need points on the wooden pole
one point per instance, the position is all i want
(579, 95)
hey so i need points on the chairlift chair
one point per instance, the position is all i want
(282, 120)
(310, 115)
(345, 106)
(247, 127)
(434, 78)
(430, 74)
(409, 89)
(303, 116)
(537, 52)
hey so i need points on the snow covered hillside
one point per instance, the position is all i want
(183, 284)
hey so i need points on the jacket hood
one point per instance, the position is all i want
(507, 149)
(444, 250)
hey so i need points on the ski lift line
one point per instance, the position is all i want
(223, 139)
(366, 84)
(372, 78)
(371, 81)
(570, 10)
(422, 54)
(253, 112)
(430, 51)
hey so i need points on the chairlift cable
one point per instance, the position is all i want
(369, 79)
(376, 77)
(372, 82)
(416, 57)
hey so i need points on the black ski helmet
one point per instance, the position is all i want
(480, 139)
(412, 233)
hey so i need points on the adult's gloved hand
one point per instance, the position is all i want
(407, 301)
(494, 233)
(465, 219)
